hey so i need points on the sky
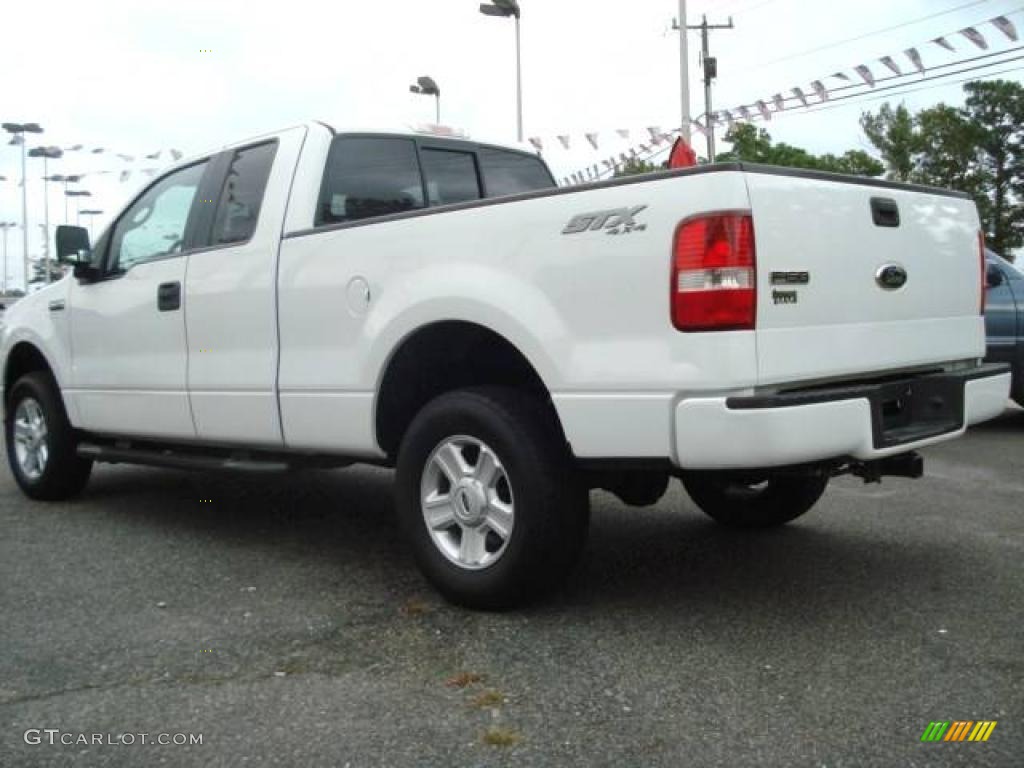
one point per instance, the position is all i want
(136, 77)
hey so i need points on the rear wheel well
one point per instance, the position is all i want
(443, 357)
(24, 358)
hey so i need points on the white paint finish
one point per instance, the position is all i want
(231, 320)
(985, 399)
(830, 351)
(122, 342)
(132, 413)
(844, 323)
(330, 421)
(608, 425)
(249, 418)
(711, 436)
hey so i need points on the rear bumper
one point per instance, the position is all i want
(862, 422)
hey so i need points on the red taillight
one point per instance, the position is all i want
(984, 268)
(713, 274)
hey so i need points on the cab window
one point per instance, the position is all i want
(155, 225)
(367, 177)
(238, 209)
(511, 173)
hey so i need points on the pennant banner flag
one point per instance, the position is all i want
(798, 92)
(943, 42)
(1005, 26)
(975, 37)
(841, 76)
(176, 155)
(564, 140)
(623, 132)
(537, 144)
(892, 65)
(915, 58)
(780, 103)
(98, 150)
(125, 175)
(698, 127)
(592, 138)
(74, 148)
(819, 90)
(154, 156)
(763, 109)
(864, 72)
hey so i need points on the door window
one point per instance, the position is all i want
(239, 207)
(155, 225)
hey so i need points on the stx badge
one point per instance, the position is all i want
(618, 221)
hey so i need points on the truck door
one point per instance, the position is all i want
(230, 287)
(128, 348)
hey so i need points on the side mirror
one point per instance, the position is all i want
(994, 276)
(73, 245)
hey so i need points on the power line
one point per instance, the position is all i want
(863, 98)
(866, 35)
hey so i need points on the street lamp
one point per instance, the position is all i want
(90, 213)
(427, 87)
(47, 153)
(5, 225)
(65, 180)
(508, 8)
(18, 131)
(75, 193)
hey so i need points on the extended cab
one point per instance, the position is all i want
(313, 298)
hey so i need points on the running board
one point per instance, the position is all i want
(157, 457)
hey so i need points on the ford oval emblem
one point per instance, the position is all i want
(891, 277)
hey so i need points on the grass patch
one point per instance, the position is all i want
(488, 699)
(464, 679)
(501, 737)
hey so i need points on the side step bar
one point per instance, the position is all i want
(157, 457)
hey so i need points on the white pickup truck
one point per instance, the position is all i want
(312, 298)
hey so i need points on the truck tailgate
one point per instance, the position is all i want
(830, 258)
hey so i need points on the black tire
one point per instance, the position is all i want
(551, 504)
(750, 501)
(65, 474)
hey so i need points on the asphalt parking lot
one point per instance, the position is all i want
(280, 618)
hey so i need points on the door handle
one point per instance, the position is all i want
(168, 297)
(57, 305)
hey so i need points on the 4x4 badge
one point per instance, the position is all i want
(617, 221)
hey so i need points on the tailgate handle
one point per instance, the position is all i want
(885, 212)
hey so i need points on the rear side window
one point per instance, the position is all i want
(368, 177)
(239, 207)
(510, 173)
(451, 176)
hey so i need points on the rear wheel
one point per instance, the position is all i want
(743, 500)
(41, 445)
(489, 499)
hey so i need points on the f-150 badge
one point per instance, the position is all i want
(618, 221)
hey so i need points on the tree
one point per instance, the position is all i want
(634, 166)
(977, 149)
(755, 145)
(891, 131)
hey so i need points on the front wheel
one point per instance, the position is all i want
(488, 498)
(743, 500)
(41, 446)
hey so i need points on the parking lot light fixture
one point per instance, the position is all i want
(427, 86)
(18, 131)
(510, 8)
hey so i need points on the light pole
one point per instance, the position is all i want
(5, 225)
(428, 87)
(76, 193)
(90, 213)
(65, 180)
(18, 139)
(508, 8)
(47, 153)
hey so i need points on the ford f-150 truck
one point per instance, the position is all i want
(313, 298)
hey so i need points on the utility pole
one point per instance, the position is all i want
(710, 73)
(684, 71)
